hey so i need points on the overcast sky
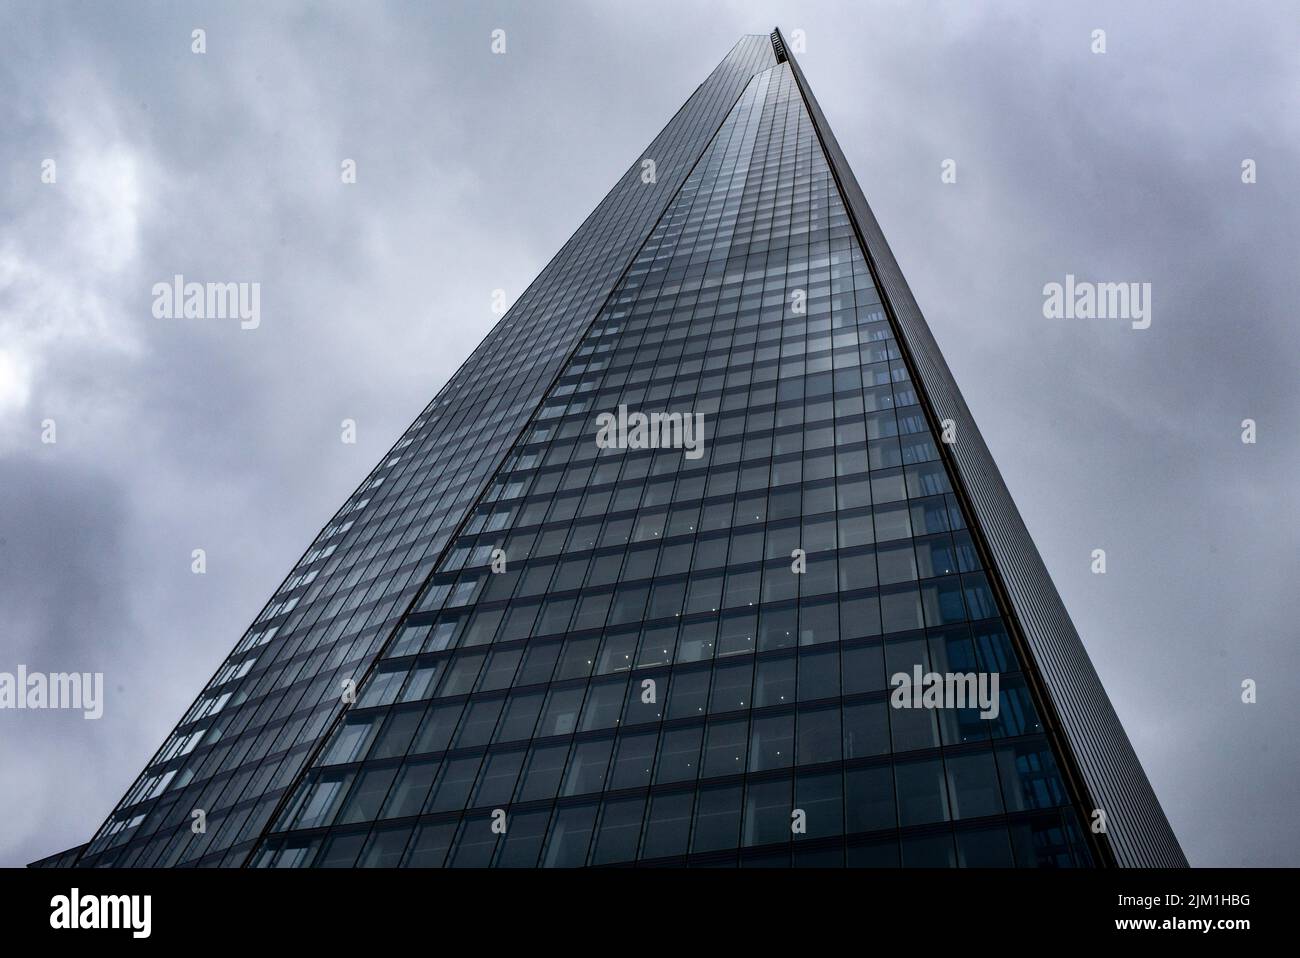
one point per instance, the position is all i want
(473, 169)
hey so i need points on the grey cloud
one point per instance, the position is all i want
(474, 169)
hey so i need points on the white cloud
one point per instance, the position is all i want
(66, 263)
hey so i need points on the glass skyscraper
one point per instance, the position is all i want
(515, 645)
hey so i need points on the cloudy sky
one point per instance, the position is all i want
(472, 170)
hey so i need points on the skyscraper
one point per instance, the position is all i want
(637, 585)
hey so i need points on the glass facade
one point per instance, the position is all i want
(570, 654)
(260, 718)
(645, 676)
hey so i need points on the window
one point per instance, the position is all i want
(820, 795)
(560, 716)
(633, 760)
(731, 686)
(767, 813)
(619, 831)
(587, 766)
(717, 818)
(679, 754)
(771, 742)
(478, 721)
(973, 785)
(869, 798)
(818, 735)
(542, 772)
(367, 795)
(454, 784)
(411, 788)
(570, 834)
(668, 824)
(922, 794)
(604, 704)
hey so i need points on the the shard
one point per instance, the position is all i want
(667, 573)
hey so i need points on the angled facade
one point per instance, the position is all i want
(523, 643)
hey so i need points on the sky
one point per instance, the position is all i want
(473, 168)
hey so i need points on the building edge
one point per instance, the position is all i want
(1101, 769)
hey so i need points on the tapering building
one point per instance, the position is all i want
(636, 585)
